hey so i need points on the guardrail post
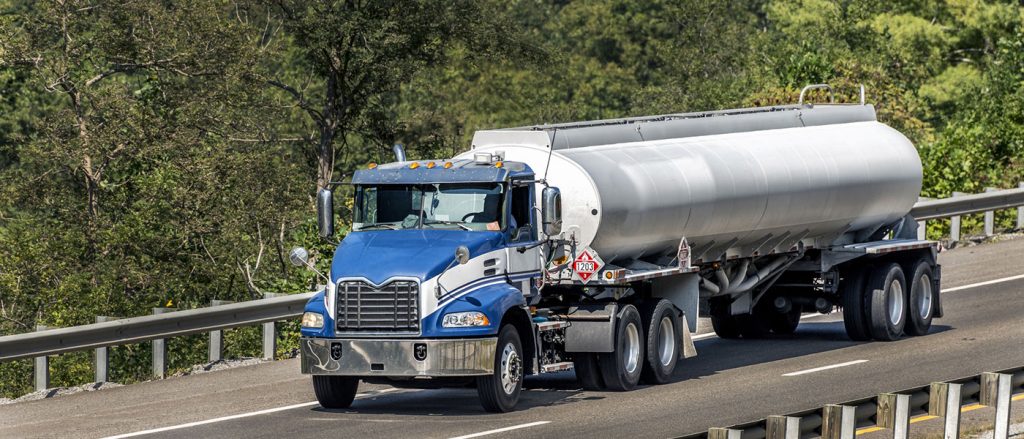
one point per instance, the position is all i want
(1020, 211)
(838, 422)
(724, 433)
(922, 226)
(102, 368)
(954, 222)
(782, 427)
(944, 400)
(269, 335)
(894, 413)
(160, 349)
(995, 392)
(990, 217)
(42, 367)
(217, 337)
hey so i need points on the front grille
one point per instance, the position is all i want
(392, 307)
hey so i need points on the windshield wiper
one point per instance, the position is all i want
(461, 224)
(384, 225)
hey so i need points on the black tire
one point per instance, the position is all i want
(495, 397)
(887, 290)
(785, 323)
(660, 318)
(855, 305)
(629, 347)
(726, 326)
(921, 300)
(587, 371)
(335, 392)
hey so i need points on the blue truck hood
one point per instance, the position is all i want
(422, 253)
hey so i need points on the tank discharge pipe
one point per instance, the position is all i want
(761, 274)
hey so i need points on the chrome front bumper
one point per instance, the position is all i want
(373, 357)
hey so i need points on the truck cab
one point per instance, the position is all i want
(433, 282)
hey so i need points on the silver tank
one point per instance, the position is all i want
(737, 183)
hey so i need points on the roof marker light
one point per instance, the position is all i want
(414, 165)
(371, 166)
(431, 165)
(498, 164)
(447, 165)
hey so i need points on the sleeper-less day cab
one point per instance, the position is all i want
(591, 245)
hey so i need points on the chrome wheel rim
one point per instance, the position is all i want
(631, 360)
(511, 369)
(895, 302)
(924, 301)
(668, 341)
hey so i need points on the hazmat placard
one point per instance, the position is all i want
(586, 265)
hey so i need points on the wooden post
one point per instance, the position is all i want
(838, 422)
(782, 427)
(995, 392)
(894, 413)
(723, 433)
(944, 399)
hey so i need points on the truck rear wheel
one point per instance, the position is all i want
(726, 326)
(621, 368)
(920, 302)
(335, 392)
(587, 371)
(785, 323)
(886, 290)
(661, 322)
(499, 391)
(855, 306)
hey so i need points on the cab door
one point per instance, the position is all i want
(521, 233)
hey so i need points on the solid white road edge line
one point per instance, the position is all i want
(238, 416)
(502, 430)
(819, 369)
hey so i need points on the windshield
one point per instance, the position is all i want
(429, 206)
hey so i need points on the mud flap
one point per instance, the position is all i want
(689, 350)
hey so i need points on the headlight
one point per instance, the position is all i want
(312, 320)
(463, 319)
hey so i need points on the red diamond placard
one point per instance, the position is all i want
(586, 265)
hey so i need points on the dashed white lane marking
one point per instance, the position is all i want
(981, 284)
(502, 430)
(238, 416)
(819, 369)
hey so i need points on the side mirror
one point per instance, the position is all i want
(462, 255)
(325, 212)
(551, 211)
(299, 257)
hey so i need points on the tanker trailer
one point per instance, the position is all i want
(592, 245)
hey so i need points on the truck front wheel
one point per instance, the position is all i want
(335, 392)
(499, 391)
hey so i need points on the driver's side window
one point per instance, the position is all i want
(521, 221)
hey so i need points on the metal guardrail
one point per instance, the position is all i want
(213, 319)
(892, 411)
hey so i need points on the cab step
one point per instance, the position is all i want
(552, 325)
(556, 367)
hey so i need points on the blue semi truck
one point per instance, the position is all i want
(590, 246)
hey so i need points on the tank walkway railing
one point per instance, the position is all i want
(963, 204)
(166, 322)
(893, 412)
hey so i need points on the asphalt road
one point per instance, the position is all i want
(729, 382)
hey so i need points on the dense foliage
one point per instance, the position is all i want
(166, 153)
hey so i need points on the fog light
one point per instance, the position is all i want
(312, 320)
